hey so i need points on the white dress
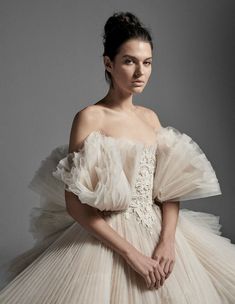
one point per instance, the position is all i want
(123, 178)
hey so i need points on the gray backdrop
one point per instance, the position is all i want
(51, 67)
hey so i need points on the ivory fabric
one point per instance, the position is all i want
(123, 179)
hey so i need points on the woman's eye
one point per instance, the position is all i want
(146, 63)
(128, 60)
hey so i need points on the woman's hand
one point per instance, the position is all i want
(147, 267)
(164, 254)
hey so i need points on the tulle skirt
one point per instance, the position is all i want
(74, 267)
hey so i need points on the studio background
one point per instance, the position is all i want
(52, 66)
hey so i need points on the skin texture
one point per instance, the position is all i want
(117, 116)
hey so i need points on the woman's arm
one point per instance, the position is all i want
(164, 251)
(91, 220)
(170, 213)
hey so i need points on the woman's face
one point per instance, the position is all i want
(133, 62)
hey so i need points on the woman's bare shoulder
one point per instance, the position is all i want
(89, 115)
(92, 109)
(151, 116)
(84, 122)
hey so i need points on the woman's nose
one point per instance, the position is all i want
(139, 71)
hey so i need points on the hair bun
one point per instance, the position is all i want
(119, 20)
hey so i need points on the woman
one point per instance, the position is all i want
(109, 229)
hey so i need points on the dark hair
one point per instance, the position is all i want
(119, 28)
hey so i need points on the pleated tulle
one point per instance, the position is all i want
(183, 171)
(78, 268)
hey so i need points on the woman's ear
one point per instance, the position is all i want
(107, 63)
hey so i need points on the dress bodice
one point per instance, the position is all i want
(141, 204)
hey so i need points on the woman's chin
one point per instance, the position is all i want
(137, 89)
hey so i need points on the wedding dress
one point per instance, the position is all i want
(123, 179)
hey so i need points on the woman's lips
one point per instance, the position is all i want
(139, 83)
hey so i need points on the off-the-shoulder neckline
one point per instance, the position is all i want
(123, 139)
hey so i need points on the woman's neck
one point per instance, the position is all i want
(118, 100)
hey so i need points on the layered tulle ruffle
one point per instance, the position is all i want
(183, 171)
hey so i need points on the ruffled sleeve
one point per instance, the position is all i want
(182, 171)
(95, 174)
(101, 173)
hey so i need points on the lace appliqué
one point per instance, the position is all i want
(141, 205)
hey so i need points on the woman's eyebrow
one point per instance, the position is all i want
(135, 57)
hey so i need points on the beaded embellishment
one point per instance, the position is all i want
(141, 202)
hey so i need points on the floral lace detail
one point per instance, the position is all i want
(141, 205)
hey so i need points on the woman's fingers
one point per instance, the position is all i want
(148, 281)
(162, 273)
(171, 265)
(157, 284)
(166, 267)
(153, 278)
(161, 270)
(160, 276)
